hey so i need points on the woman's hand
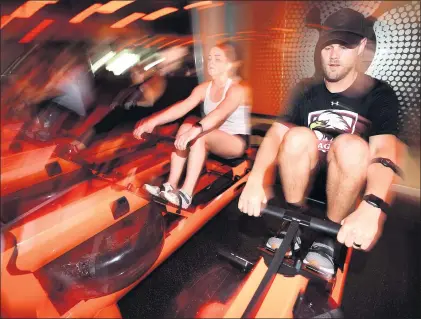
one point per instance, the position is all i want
(183, 140)
(144, 126)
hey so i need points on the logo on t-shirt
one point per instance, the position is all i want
(327, 124)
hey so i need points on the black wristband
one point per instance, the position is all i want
(377, 202)
(388, 163)
(198, 124)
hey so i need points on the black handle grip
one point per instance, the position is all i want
(162, 137)
(313, 223)
(158, 136)
(324, 226)
(276, 212)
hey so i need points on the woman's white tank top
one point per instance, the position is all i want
(238, 122)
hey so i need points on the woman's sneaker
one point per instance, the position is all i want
(158, 191)
(180, 198)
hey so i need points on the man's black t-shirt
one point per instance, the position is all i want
(368, 107)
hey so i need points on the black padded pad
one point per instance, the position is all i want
(260, 129)
(233, 162)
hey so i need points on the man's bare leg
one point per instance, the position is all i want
(298, 157)
(348, 160)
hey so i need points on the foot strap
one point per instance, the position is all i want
(323, 250)
(182, 196)
(166, 187)
(180, 203)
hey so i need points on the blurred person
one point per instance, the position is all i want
(172, 58)
(69, 90)
(342, 129)
(23, 90)
(224, 129)
(150, 92)
(71, 84)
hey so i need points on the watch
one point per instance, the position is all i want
(377, 202)
(388, 163)
(198, 124)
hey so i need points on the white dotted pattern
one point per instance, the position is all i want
(397, 62)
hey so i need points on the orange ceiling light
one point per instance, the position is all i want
(35, 31)
(127, 20)
(197, 4)
(159, 13)
(29, 8)
(217, 35)
(160, 39)
(85, 13)
(240, 38)
(213, 5)
(316, 26)
(143, 42)
(26, 10)
(187, 42)
(283, 29)
(109, 7)
(127, 44)
(113, 6)
(5, 20)
(246, 32)
(169, 43)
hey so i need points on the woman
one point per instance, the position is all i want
(223, 131)
(150, 92)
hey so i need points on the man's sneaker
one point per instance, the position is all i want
(275, 242)
(321, 256)
(177, 198)
(158, 190)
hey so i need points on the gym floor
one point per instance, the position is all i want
(384, 283)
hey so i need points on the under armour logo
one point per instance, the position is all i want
(334, 103)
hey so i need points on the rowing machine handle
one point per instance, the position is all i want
(162, 137)
(324, 226)
(146, 135)
(276, 212)
(313, 223)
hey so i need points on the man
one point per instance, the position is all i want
(343, 125)
(69, 91)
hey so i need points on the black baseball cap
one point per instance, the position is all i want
(344, 26)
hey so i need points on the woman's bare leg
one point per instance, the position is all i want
(217, 142)
(179, 158)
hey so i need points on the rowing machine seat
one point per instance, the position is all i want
(232, 162)
(260, 129)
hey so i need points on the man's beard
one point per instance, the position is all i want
(337, 75)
